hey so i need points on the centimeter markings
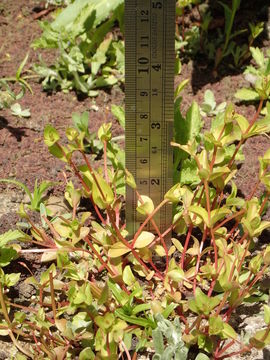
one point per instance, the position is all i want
(149, 29)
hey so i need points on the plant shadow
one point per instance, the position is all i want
(18, 133)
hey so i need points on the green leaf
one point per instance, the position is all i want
(258, 56)
(202, 356)
(266, 314)
(260, 340)
(176, 275)
(118, 249)
(193, 122)
(128, 276)
(215, 325)
(201, 212)
(144, 239)
(180, 87)
(202, 304)
(158, 341)
(145, 205)
(6, 255)
(130, 179)
(22, 64)
(247, 95)
(174, 194)
(104, 132)
(51, 136)
(102, 193)
(189, 172)
(242, 122)
(122, 297)
(119, 113)
(135, 320)
(73, 18)
(100, 56)
(11, 235)
(87, 354)
(12, 279)
(106, 321)
(17, 110)
(228, 331)
(219, 214)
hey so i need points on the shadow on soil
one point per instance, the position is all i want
(203, 67)
(18, 133)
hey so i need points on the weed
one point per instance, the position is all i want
(89, 58)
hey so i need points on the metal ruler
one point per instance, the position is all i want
(149, 79)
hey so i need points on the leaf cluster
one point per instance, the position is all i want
(89, 57)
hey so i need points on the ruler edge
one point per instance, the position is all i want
(168, 90)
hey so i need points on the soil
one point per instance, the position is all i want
(24, 156)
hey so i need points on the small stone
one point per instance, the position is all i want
(94, 108)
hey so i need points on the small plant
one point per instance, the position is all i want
(167, 340)
(209, 107)
(258, 76)
(229, 20)
(8, 97)
(89, 58)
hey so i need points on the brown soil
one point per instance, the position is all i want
(23, 154)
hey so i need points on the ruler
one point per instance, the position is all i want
(149, 84)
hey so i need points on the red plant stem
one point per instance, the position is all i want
(253, 282)
(226, 347)
(41, 233)
(125, 349)
(156, 269)
(53, 231)
(36, 342)
(229, 218)
(159, 235)
(209, 221)
(77, 173)
(198, 259)
(99, 257)
(118, 233)
(93, 174)
(189, 231)
(105, 161)
(242, 259)
(186, 245)
(74, 210)
(213, 283)
(52, 296)
(245, 348)
(196, 323)
(150, 216)
(232, 230)
(264, 202)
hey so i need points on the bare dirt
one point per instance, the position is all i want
(23, 154)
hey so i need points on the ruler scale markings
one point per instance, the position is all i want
(149, 103)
